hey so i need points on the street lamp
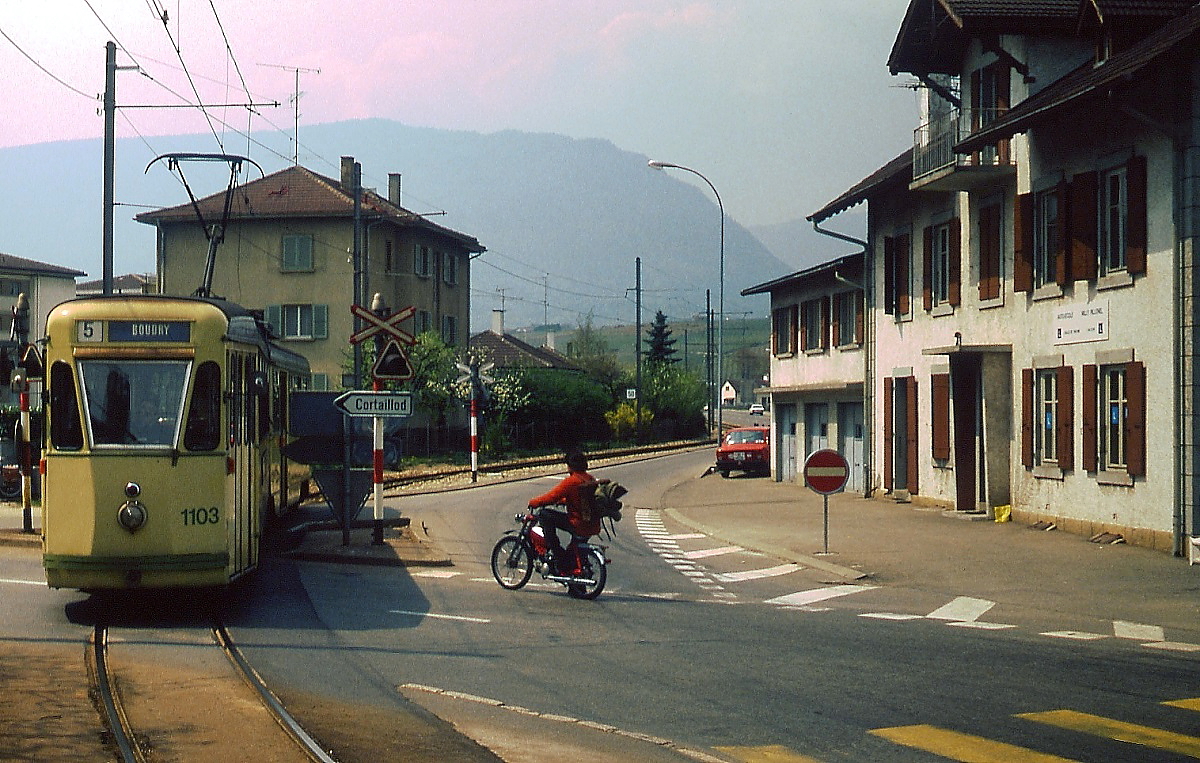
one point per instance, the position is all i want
(721, 296)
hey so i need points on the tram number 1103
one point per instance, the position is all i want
(201, 516)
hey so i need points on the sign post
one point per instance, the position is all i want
(477, 376)
(825, 472)
(390, 364)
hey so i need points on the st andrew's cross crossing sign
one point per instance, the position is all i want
(825, 471)
(390, 325)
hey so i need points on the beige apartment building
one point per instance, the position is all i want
(288, 250)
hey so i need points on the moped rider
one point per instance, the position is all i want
(575, 493)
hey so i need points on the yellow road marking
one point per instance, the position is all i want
(963, 747)
(772, 753)
(1186, 704)
(1120, 730)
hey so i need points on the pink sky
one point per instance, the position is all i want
(757, 94)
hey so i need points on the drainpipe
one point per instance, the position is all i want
(1187, 219)
(868, 394)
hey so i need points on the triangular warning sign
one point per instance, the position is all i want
(392, 363)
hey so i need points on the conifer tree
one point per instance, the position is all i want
(661, 347)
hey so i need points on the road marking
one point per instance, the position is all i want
(435, 574)
(1138, 631)
(891, 616)
(460, 618)
(1076, 635)
(958, 746)
(979, 625)
(801, 598)
(704, 553)
(686, 536)
(1186, 704)
(23, 582)
(1110, 728)
(963, 609)
(1173, 646)
(769, 572)
(772, 753)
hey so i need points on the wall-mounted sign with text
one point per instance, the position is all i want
(1086, 322)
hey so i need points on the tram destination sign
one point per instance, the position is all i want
(134, 331)
(370, 403)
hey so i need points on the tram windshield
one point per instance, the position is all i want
(133, 402)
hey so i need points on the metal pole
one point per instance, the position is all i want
(637, 401)
(110, 111)
(356, 189)
(826, 497)
(21, 316)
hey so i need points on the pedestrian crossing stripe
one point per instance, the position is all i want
(1110, 728)
(959, 746)
(772, 753)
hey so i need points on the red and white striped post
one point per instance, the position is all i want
(381, 310)
(474, 436)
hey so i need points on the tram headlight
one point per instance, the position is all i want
(132, 490)
(132, 515)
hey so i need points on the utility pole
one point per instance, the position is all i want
(356, 185)
(637, 401)
(110, 152)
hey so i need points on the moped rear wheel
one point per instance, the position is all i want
(592, 567)
(512, 564)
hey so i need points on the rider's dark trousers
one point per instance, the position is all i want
(551, 521)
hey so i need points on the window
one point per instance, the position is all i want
(133, 402)
(1048, 416)
(1114, 418)
(990, 96)
(423, 321)
(203, 431)
(783, 330)
(319, 382)
(814, 325)
(66, 431)
(422, 264)
(297, 254)
(848, 315)
(449, 268)
(901, 469)
(389, 257)
(1046, 240)
(299, 321)
(1114, 203)
(450, 329)
(896, 284)
(942, 266)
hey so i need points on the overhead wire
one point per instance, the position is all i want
(46, 71)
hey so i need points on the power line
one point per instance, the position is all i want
(45, 71)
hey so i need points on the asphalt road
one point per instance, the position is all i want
(683, 647)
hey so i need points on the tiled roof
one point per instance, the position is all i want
(506, 351)
(127, 282)
(850, 262)
(1084, 81)
(12, 263)
(299, 192)
(898, 169)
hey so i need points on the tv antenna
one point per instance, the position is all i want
(296, 70)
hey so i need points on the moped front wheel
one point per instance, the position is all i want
(512, 564)
(593, 568)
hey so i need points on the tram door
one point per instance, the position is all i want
(242, 439)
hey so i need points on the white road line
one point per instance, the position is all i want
(1075, 635)
(687, 536)
(801, 598)
(704, 553)
(963, 609)
(769, 572)
(439, 617)
(1138, 631)
(890, 616)
(979, 625)
(435, 574)
(23, 582)
(1173, 646)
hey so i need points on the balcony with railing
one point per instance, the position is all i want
(936, 167)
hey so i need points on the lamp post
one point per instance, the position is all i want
(721, 295)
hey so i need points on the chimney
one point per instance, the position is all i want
(498, 322)
(347, 172)
(395, 189)
(550, 339)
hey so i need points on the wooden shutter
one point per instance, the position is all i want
(1135, 422)
(825, 320)
(1023, 243)
(889, 275)
(274, 318)
(1083, 225)
(911, 435)
(990, 253)
(320, 315)
(903, 281)
(804, 317)
(888, 433)
(940, 392)
(927, 269)
(794, 328)
(1065, 423)
(1089, 418)
(1062, 252)
(837, 318)
(859, 305)
(954, 293)
(1027, 417)
(1135, 216)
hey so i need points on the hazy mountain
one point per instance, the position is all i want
(799, 246)
(563, 219)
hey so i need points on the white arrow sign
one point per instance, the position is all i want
(369, 403)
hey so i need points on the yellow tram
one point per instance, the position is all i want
(164, 421)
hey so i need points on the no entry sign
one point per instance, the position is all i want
(825, 471)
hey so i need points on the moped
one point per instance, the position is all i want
(581, 567)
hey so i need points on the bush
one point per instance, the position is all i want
(623, 421)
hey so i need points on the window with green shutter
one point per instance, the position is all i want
(297, 254)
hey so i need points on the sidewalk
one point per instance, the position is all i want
(882, 542)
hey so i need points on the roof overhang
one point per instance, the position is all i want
(839, 386)
(968, 349)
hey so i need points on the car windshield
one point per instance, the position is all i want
(745, 436)
(133, 402)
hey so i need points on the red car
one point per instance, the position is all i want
(745, 449)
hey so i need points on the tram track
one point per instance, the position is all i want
(225, 717)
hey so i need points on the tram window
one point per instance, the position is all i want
(66, 431)
(203, 431)
(133, 402)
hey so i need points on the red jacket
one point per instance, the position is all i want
(571, 492)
